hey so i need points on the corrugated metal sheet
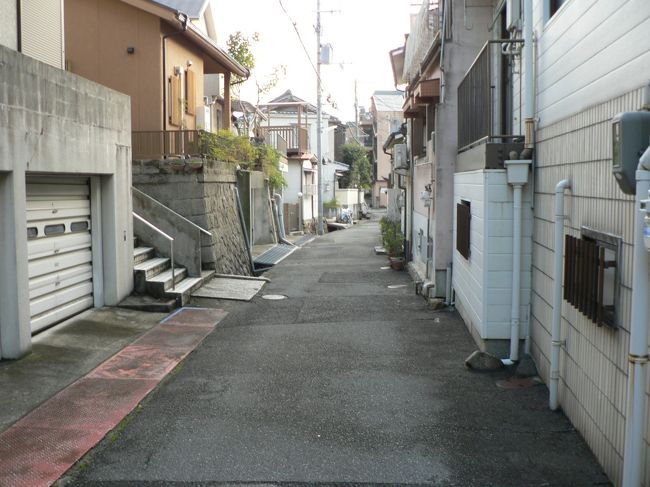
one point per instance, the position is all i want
(42, 31)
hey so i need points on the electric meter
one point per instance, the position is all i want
(630, 137)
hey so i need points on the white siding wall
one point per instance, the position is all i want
(590, 51)
(499, 223)
(485, 282)
(468, 275)
(8, 32)
(42, 31)
(593, 365)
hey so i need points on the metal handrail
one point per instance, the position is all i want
(169, 238)
(198, 227)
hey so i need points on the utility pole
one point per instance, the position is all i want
(356, 111)
(319, 149)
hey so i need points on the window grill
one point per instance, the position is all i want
(587, 285)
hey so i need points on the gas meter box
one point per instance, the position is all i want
(630, 138)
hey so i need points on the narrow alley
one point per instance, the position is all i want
(349, 380)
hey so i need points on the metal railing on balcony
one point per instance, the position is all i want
(485, 96)
(297, 138)
(165, 143)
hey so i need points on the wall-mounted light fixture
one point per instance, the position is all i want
(130, 50)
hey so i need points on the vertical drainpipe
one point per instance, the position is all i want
(638, 355)
(556, 342)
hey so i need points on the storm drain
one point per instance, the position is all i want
(274, 255)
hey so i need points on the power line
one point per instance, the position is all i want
(295, 27)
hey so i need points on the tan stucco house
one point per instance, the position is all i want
(162, 54)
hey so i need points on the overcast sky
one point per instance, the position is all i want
(360, 31)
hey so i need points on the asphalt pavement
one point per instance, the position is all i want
(350, 380)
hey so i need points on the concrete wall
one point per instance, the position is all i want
(56, 123)
(202, 192)
(460, 52)
(97, 34)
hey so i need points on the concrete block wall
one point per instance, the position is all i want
(593, 363)
(202, 192)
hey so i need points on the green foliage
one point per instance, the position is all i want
(360, 173)
(240, 48)
(392, 237)
(331, 204)
(268, 161)
(225, 146)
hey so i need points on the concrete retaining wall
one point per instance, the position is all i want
(59, 124)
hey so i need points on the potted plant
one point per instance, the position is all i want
(393, 241)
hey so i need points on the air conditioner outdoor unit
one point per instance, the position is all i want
(400, 157)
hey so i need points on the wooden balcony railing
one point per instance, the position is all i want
(297, 138)
(165, 143)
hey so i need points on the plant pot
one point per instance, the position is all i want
(396, 263)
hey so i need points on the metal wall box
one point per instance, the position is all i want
(630, 138)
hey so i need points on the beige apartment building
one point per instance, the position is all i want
(387, 116)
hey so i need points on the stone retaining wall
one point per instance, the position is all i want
(203, 192)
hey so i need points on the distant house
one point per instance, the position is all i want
(66, 233)
(387, 116)
(293, 120)
(164, 56)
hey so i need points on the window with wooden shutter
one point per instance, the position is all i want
(591, 278)
(190, 92)
(463, 216)
(175, 101)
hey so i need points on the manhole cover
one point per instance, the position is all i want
(516, 383)
(274, 297)
(396, 286)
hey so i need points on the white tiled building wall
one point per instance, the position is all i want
(593, 364)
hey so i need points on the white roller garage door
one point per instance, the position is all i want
(59, 249)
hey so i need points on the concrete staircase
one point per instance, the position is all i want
(153, 276)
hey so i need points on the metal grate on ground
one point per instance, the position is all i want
(274, 255)
(305, 239)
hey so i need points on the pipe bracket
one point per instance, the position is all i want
(558, 343)
(638, 359)
(555, 374)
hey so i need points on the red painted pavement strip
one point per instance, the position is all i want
(89, 404)
(174, 336)
(140, 362)
(195, 317)
(34, 457)
(44, 444)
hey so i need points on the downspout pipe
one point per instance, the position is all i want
(517, 175)
(280, 215)
(556, 342)
(633, 458)
(529, 106)
(516, 273)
